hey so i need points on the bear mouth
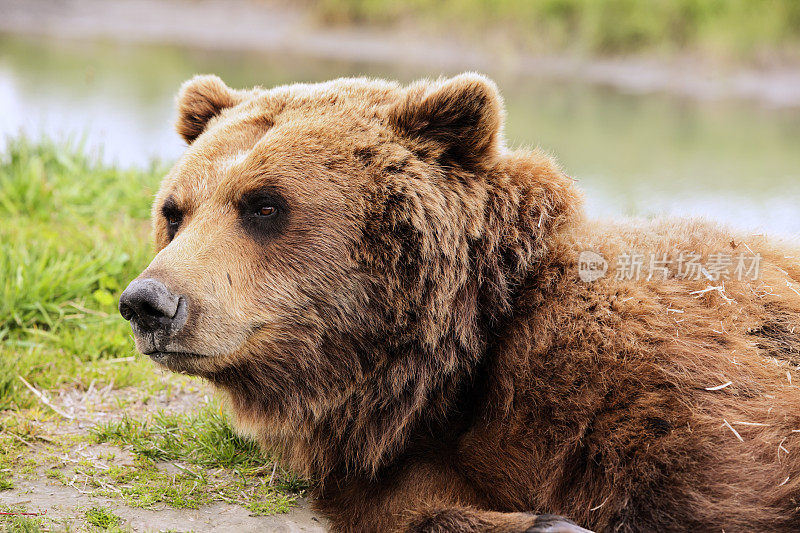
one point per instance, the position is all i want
(164, 357)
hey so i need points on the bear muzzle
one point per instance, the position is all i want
(156, 314)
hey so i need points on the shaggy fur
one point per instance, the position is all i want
(412, 333)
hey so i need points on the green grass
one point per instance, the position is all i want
(206, 441)
(16, 521)
(739, 29)
(74, 232)
(177, 464)
(102, 517)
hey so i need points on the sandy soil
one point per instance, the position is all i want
(277, 27)
(64, 505)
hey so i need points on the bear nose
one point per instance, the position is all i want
(150, 306)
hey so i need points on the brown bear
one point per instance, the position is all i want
(422, 321)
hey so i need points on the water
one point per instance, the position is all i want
(633, 155)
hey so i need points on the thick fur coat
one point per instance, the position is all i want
(391, 298)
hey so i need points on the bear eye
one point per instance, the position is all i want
(173, 216)
(267, 211)
(174, 219)
(264, 213)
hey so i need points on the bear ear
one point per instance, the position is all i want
(199, 100)
(463, 116)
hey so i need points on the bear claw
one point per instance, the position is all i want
(548, 523)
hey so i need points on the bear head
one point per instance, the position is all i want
(333, 256)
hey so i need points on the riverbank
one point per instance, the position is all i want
(754, 31)
(249, 25)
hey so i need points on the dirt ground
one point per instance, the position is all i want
(63, 502)
(65, 505)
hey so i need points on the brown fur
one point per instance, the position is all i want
(414, 336)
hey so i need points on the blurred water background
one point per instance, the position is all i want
(634, 152)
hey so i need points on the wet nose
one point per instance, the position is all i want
(150, 306)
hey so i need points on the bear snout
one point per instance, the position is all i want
(152, 309)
